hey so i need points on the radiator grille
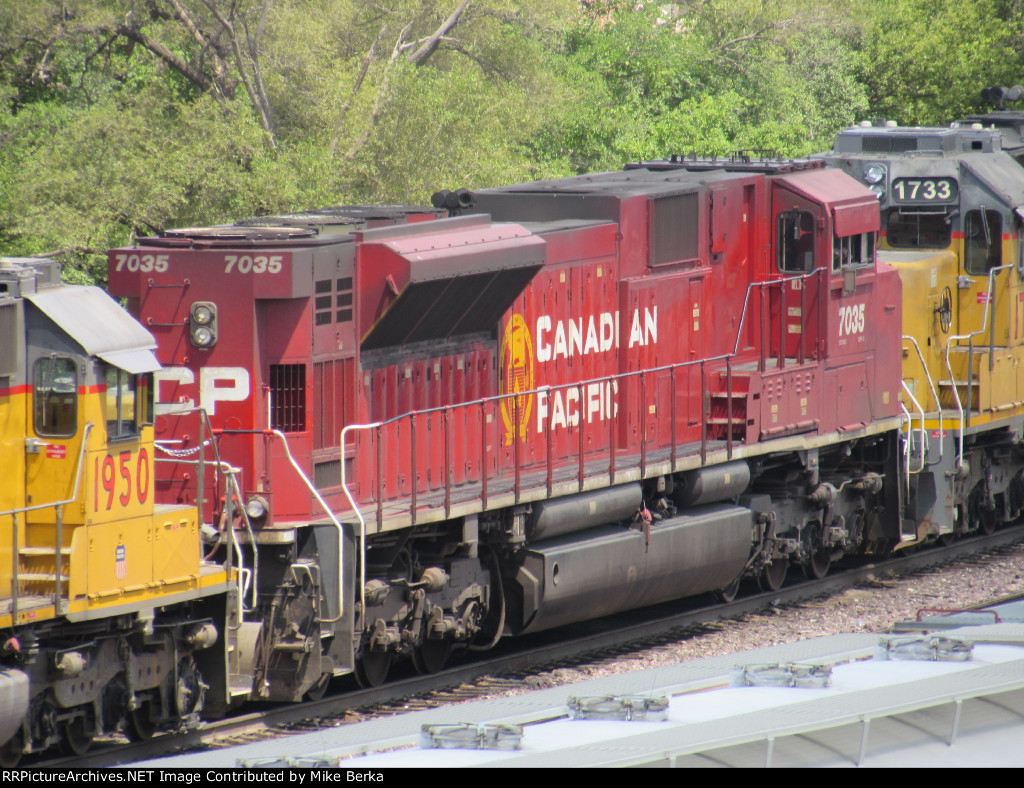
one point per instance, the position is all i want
(885, 143)
(332, 400)
(674, 229)
(288, 397)
(327, 474)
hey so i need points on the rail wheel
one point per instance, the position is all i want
(817, 566)
(76, 736)
(987, 522)
(141, 725)
(189, 690)
(372, 668)
(773, 575)
(728, 594)
(318, 690)
(431, 656)
(981, 517)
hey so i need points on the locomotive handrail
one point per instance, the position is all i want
(359, 514)
(990, 307)
(906, 450)
(514, 412)
(316, 494)
(219, 466)
(931, 386)
(910, 426)
(769, 284)
(58, 563)
(927, 374)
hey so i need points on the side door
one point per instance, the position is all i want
(798, 272)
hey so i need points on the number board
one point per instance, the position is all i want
(925, 190)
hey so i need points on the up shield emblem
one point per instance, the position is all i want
(516, 377)
(120, 563)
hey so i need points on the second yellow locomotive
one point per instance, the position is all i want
(952, 202)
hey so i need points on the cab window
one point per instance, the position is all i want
(129, 403)
(55, 397)
(905, 230)
(853, 251)
(983, 241)
(794, 247)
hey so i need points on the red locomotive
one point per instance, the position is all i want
(532, 406)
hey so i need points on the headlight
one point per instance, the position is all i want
(202, 336)
(202, 315)
(874, 174)
(202, 323)
(256, 507)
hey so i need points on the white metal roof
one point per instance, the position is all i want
(875, 713)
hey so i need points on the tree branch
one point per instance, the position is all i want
(381, 92)
(198, 78)
(220, 67)
(421, 55)
(262, 110)
(70, 250)
(356, 87)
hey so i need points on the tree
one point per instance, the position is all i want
(926, 61)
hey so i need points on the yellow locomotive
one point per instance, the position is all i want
(951, 205)
(101, 625)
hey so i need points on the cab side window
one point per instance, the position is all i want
(983, 241)
(55, 397)
(794, 242)
(853, 251)
(128, 403)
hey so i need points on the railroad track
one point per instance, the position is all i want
(465, 681)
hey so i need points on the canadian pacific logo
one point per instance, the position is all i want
(517, 376)
(568, 403)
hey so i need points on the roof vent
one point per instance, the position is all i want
(470, 736)
(619, 707)
(933, 648)
(788, 675)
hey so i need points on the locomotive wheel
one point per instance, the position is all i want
(773, 575)
(76, 736)
(141, 725)
(817, 567)
(728, 594)
(987, 522)
(318, 690)
(431, 656)
(981, 517)
(189, 690)
(372, 668)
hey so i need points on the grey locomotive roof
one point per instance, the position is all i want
(94, 320)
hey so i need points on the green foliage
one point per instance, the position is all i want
(126, 117)
(926, 61)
